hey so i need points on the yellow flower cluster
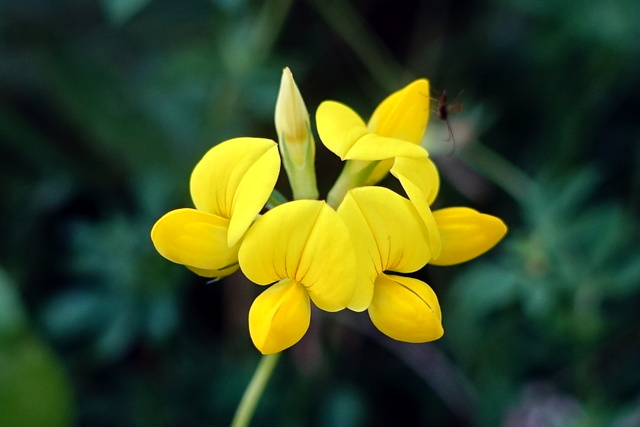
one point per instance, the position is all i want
(339, 253)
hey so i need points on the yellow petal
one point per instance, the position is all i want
(406, 309)
(196, 239)
(375, 147)
(339, 127)
(344, 133)
(404, 114)
(421, 182)
(387, 233)
(466, 234)
(234, 180)
(306, 241)
(279, 317)
(421, 172)
(380, 171)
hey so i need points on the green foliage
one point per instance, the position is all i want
(552, 307)
(34, 389)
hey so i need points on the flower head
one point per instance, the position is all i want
(229, 187)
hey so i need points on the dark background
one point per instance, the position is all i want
(106, 106)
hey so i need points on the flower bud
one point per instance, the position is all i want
(296, 142)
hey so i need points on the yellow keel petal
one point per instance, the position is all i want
(279, 317)
(406, 309)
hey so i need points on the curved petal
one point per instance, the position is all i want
(387, 233)
(279, 317)
(196, 239)
(404, 114)
(406, 309)
(234, 180)
(306, 241)
(379, 172)
(466, 234)
(344, 133)
(421, 172)
(339, 127)
(375, 147)
(420, 180)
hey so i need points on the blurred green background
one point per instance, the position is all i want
(105, 107)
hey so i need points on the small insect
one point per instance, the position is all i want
(443, 112)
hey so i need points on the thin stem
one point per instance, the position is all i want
(498, 170)
(357, 34)
(254, 390)
(354, 174)
(276, 199)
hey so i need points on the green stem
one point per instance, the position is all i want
(497, 169)
(254, 390)
(355, 173)
(345, 20)
(276, 199)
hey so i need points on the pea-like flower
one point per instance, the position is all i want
(305, 249)
(229, 187)
(394, 130)
(390, 236)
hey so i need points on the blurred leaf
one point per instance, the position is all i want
(344, 407)
(120, 11)
(34, 390)
(12, 317)
(76, 314)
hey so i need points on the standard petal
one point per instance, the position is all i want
(344, 133)
(303, 240)
(387, 233)
(234, 180)
(369, 262)
(421, 182)
(196, 239)
(404, 114)
(252, 193)
(375, 147)
(401, 239)
(466, 234)
(406, 309)
(279, 317)
(339, 127)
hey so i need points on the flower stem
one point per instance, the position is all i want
(254, 390)
(498, 170)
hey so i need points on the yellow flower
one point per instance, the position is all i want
(305, 249)
(395, 128)
(229, 187)
(462, 233)
(389, 235)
